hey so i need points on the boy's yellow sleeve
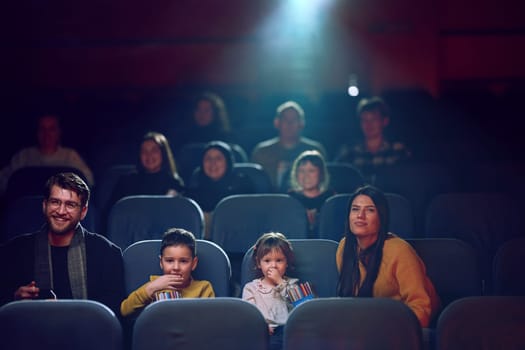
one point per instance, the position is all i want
(136, 300)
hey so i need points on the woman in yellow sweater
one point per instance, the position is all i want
(373, 262)
(177, 260)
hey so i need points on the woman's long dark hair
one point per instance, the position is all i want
(168, 161)
(221, 121)
(350, 277)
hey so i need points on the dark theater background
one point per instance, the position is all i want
(452, 71)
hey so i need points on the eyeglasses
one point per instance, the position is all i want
(57, 203)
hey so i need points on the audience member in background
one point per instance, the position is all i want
(310, 185)
(216, 179)
(156, 172)
(178, 259)
(375, 150)
(209, 121)
(373, 262)
(63, 260)
(276, 155)
(273, 256)
(47, 152)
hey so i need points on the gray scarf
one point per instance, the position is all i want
(76, 263)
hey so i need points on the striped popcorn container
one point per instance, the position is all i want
(299, 293)
(168, 294)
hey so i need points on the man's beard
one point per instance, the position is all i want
(61, 230)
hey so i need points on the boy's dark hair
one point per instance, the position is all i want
(269, 241)
(178, 236)
(71, 182)
(373, 104)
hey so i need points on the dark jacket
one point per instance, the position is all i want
(105, 270)
(207, 192)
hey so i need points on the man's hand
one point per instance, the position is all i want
(29, 291)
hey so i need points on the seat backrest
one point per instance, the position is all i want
(314, 263)
(417, 182)
(344, 178)
(451, 265)
(141, 260)
(483, 322)
(59, 325)
(106, 183)
(239, 220)
(493, 176)
(507, 268)
(198, 324)
(188, 157)
(29, 181)
(255, 172)
(470, 217)
(24, 215)
(333, 216)
(142, 217)
(239, 153)
(352, 323)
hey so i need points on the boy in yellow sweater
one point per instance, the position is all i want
(178, 259)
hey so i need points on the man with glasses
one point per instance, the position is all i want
(63, 260)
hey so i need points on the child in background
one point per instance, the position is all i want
(177, 260)
(272, 255)
(309, 181)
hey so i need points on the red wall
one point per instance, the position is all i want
(388, 44)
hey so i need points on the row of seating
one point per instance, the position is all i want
(474, 175)
(448, 215)
(485, 322)
(418, 182)
(456, 213)
(344, 178)
(239, 220)
(147, 216)
(25, 181)
(451, 264)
